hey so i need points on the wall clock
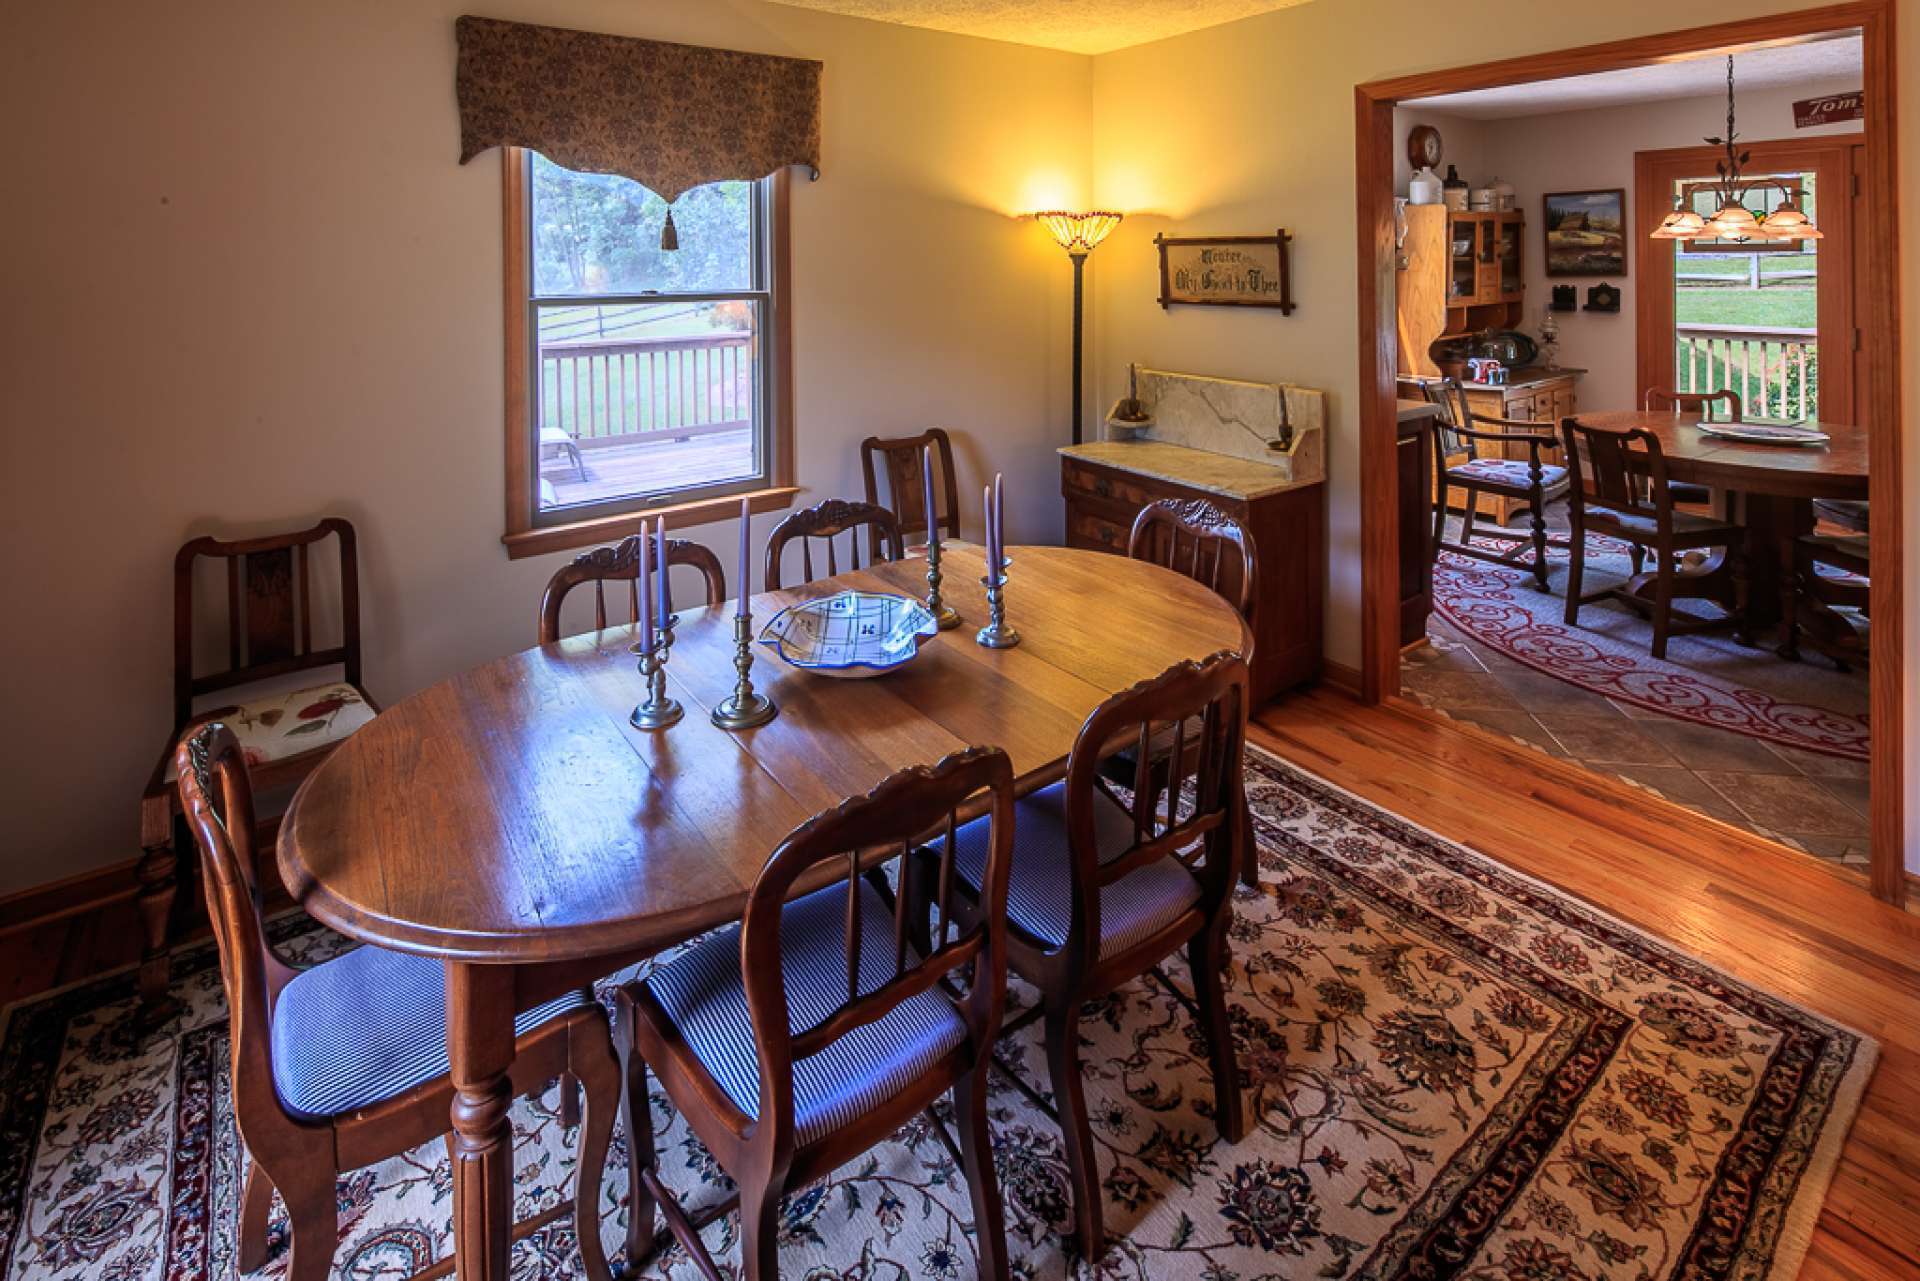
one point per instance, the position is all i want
(1423, 147)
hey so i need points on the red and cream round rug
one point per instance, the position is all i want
(1708, 677)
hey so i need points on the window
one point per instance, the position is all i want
(639, 378)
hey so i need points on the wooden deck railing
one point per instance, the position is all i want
(607, 391)
(1775, 370)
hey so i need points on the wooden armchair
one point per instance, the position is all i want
(1533, 480)
(345, 1064)
(825, 521)
(800, 1038)
(1631, 500)
(1809, 598)
(1103, 889)
(901, 457)
(621, 563)
(1702, 403)
(283, 736)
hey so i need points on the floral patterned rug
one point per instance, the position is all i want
(1457, 1072)
(1707, 677)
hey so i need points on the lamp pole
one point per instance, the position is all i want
(1079, 270)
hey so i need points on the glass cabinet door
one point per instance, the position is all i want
(1507, 256)
(1463, 256)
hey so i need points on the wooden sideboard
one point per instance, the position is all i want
(1287, 524)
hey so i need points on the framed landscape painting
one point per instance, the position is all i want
(1586, 233)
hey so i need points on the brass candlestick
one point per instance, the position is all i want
(659, 710)
(996, 634)
(743, 709)
(944, 614)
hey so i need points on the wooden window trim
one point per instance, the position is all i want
(523, 537)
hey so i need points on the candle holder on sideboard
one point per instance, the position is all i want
(997, 634)
(744, 708)
(944, 614)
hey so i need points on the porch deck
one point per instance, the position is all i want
(642, 465)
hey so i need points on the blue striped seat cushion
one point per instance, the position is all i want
(701, 992)
(1040, 889)
(367, 1026)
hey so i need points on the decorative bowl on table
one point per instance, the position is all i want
(851, 634)
(1763, 433)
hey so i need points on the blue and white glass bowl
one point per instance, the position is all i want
(853, 634)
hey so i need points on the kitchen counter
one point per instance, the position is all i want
(1526, 378)
(1211, 473)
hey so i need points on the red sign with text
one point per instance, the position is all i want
(1828, 110)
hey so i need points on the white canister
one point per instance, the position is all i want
(1502, 194)
(1482, 200)
(1424, 188)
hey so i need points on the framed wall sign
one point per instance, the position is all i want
(1226, 271)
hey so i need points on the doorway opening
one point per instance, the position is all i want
(1591, 320)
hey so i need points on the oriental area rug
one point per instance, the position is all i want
(1707, 677)
(1456, 1071)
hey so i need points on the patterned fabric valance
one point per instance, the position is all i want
(669, 116)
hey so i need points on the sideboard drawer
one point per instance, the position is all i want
(1107, 486)
(1089, 530)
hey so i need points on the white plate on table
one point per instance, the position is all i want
(1765, 433)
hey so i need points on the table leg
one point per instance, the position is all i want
(480, 1048)
(1773, 525)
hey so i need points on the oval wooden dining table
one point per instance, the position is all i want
(511, 823)
(1778, 484)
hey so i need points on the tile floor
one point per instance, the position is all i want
(1817, 803)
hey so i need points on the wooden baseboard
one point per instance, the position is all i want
(101, 888)
(1341, 677)
(83, 892)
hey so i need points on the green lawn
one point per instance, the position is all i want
(1787, 308)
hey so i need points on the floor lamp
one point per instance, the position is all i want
(1078, 233)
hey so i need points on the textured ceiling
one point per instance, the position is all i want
(1078, 26)
(1698, 77)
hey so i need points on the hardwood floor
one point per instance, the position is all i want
(1767, 915)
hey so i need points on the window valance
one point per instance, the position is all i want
(669, 116)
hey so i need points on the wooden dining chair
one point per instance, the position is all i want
(1810, 601)
(826, 521)
(621, 563)
(270, 635)
(1626, 495)
(1531, 480)
(345, 1064)
(1104, 887)
(1197, 539)
(1702, 403)
(901, 456)
(815, 1028)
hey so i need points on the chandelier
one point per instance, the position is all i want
(1734, 222)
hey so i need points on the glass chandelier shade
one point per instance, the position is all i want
(1078, 233)
(1733, 222)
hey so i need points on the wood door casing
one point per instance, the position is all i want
(1831, 161)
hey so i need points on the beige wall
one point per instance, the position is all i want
(246, 283)
(1250, 125)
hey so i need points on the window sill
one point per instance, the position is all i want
(543, 539)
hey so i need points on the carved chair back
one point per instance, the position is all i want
(1185, 731)
(824, 522)
(1701, 402)
(621, 563)
(901, 456)
(1625, 472)
(269, 611)
(216, 798)
(912, 807)
(1197, 539)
